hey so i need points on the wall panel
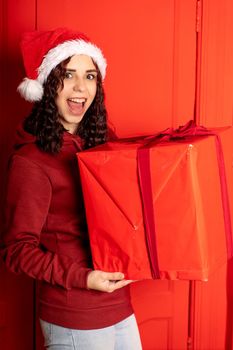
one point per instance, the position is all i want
(161, 309)
(150, 49)
(216, 68)
(16, 292)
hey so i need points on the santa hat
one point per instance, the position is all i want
(43, 50)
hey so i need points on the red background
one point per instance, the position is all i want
(167, 63)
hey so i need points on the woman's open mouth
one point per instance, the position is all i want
(76, 105)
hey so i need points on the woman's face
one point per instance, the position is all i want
(80, 84)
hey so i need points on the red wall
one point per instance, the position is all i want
(161, 72)
(16, 292)
(215, 75)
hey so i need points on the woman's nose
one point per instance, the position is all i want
(79, 85)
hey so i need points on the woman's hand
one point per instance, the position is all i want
(106, 281)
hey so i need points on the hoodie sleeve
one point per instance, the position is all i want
(27, 203)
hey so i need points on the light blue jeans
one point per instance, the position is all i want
(121, 336)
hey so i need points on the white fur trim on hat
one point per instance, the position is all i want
(31, 90)
(68, 49)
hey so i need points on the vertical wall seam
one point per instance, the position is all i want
(197, 99)
(34, 282)
(174, 64)
(36, 13)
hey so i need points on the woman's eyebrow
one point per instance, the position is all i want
(91, 70)
(88, 70)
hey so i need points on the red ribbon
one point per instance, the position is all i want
(186, 132)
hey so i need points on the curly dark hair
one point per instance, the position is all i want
(43, 121)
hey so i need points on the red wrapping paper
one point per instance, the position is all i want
(190, 231)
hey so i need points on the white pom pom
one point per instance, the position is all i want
(31, 90)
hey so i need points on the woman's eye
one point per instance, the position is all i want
(91, 76)
(68, 75)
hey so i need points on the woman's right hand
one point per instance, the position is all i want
(106, 281)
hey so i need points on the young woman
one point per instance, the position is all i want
(45, 234)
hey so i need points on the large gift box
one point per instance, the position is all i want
(161, 207)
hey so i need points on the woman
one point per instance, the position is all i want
(46, 235)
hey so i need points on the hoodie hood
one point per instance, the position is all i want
(23, 138)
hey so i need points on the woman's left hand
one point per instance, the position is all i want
(106, 281)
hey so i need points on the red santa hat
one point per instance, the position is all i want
(43, 50)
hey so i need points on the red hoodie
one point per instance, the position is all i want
(45, 236)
